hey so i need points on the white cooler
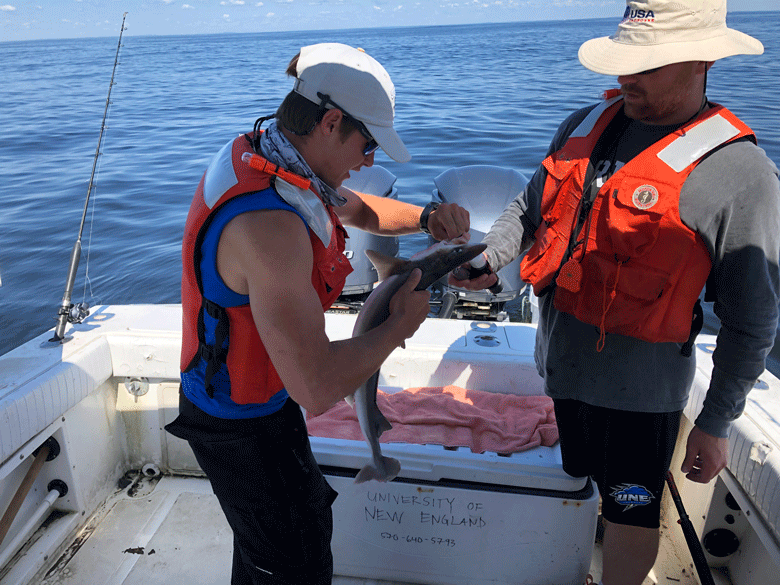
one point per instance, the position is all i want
(452, 516)
(455, 517)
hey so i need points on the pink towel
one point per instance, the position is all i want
(453, 417)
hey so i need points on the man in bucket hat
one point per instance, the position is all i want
(263, 256)
(641, 200)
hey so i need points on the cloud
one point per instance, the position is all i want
(7, 8)
(187, 6)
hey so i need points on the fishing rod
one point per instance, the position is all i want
(691, 538)
(68, 312)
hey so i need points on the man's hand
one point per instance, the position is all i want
(448, 221)
(705, 456)
(460, 278)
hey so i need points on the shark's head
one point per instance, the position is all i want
(435, 262)
(442, 258)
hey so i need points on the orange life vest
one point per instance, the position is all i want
(253, 378)
(642, 269)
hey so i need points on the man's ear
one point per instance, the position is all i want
(330, 121)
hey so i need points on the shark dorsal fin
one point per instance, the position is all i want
(386, 265)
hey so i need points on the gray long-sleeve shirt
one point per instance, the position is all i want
(732, 199)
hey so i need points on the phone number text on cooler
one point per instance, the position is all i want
(447, 542)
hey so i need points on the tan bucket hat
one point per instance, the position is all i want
(655, 33)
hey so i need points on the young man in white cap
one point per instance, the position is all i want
(641, 200)
(263, 257)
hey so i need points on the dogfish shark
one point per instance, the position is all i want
(434, 262)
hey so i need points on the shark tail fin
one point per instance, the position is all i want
(385, 472)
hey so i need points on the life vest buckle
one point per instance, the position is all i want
(263, 165)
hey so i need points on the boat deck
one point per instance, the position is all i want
(169, 530)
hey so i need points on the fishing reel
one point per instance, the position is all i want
(70, 313)
(75, 313)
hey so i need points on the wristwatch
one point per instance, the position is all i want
(430, 208)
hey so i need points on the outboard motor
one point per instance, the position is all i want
(373, 180)
(484, 191)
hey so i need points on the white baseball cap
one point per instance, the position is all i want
(357, 84)
(655, 33)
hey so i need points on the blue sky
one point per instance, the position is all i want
(42, 19)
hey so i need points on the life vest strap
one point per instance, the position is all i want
(215, 356)
(697, 324)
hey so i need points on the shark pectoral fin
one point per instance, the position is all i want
(387, 470)
(385, 265)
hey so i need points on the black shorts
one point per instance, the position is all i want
(271, 490)
(626, 453)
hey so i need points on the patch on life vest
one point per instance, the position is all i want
(645, 197)
(631, 495)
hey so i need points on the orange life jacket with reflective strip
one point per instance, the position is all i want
(253, 378)
(641, 270)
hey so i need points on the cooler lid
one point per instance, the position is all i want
(537, 468)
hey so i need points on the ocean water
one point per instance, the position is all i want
(476, 94)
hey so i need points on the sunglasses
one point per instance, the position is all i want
(371, 143)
